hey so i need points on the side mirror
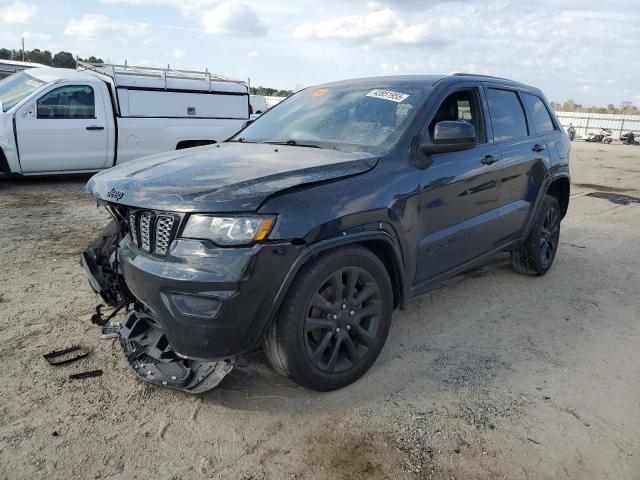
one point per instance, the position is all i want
(451, 136)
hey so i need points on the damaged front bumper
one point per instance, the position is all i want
(153, 359)
(191, 312)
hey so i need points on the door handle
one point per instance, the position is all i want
(95, 127)
(489, 160)
(538, 148)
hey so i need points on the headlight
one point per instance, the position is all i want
(240, 230)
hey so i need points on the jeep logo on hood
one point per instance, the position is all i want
(115, 194)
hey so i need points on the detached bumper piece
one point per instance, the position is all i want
(154, 360)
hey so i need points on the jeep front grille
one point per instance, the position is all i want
(152, 231)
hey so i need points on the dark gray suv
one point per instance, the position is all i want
(302, 233)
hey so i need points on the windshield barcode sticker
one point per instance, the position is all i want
(388, 95)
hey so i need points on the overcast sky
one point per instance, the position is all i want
(588, 50)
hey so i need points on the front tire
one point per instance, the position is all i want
(334, 321)
(536, 256)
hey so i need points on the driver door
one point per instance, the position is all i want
(460, 191)
(65, 129)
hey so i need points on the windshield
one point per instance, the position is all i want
(16, 87)
(351, 118)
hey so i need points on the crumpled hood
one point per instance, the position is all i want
(222, 178)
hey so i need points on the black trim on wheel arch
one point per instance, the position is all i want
(328, 244)
(540, 199)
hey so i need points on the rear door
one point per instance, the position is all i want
(525, 159)
(64, 129)
(460, 191)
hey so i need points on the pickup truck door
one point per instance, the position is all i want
(460, 191)
(64, 129)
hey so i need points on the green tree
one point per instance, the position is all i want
(63, 60)
(38, 56)
(270, 92)
(91, 59)
(6, 54)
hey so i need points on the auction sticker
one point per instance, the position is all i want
(387, 95)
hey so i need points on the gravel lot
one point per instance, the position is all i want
(494, 375)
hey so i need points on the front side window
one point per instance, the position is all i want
(15, 88)
(460, 106)
(540, 117)
(507, 115)
(74, 102)
(345, 117)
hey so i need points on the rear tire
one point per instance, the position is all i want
(334, 320)
(536, 255)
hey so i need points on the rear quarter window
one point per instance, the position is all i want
(507, 116)
(539, 114)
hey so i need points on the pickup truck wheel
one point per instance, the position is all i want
(536, 256)
(334, 321)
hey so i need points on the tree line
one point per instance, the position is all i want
(45, 57)
(625, 108)
(270, 92)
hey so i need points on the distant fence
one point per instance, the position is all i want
(593, 122)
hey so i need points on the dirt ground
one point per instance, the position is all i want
(494, 375)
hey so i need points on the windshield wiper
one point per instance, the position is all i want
(295, 143)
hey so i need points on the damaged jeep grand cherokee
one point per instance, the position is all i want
(302, 233)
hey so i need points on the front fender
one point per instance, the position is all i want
(347, 238)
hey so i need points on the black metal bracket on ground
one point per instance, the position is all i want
(52, 356)
(89, 374)
(99, 320)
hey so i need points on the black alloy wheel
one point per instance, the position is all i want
(342, 319)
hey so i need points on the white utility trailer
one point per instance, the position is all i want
(56, 120)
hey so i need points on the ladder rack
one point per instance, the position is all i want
(164, 74)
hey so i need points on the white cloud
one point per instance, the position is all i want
(186, 7)
(382, 27)
(177, 53)
(233, 17)
(99, 25)
(17, 13)
(351, 27)
(253, 54)
(36, 36)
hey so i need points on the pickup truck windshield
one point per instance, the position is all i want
(16, 87)
(351, 118)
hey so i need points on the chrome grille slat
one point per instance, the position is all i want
(145, 231)
(164, 226)
(133, 228)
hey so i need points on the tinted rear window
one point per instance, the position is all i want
(540, 117)
(507, 116)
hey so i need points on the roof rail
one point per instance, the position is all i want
(462, 74)
(114, 70)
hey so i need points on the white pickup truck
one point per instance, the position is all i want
(66, 121)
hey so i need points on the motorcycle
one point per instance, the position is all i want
(604, 136)
(629, 138)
